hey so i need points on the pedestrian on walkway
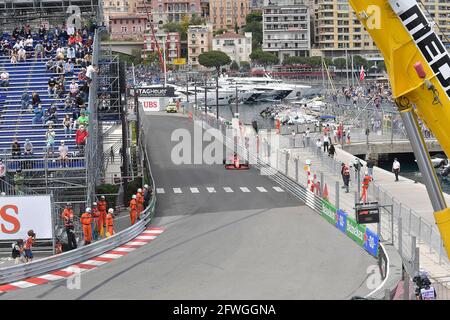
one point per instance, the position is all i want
(308, 136)
(18, 252)
(370, 164)
(326, 142)
(318, 146)
(331, 151)
(396, 169)
(345, 172)
(348, 136)
(111, 153)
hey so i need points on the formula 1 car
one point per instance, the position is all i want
(236, 164)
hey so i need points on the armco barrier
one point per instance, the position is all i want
(56, 262)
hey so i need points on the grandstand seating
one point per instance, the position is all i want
(16, 123)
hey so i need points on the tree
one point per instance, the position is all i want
(264, 58)
(234, 66)
(219, 31)
(340, 63)
(359, 61)
(255, 28)
(253, 17)
(214, 59)
(245, 66)
(294, 60)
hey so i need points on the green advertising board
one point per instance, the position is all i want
(329, 212)
(355, 231)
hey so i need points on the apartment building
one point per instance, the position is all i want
(439, 11)
(172, 44)
(226, 14)
(286, 28)
(164, 11)
(237, 47)
(127, 26)
(199, 41)
(338, 30)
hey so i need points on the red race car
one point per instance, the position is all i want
(236, 164)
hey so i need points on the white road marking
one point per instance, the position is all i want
(136, 243)
(22, 284)
(278, 189)
(177, 190)
(211, 190)
(261, 189)
(111, 256)
(153, 231)
(160, 190)
(194, 190)
(146, 237)
(124, 249)
(228, 189)
(51, 277)
(245, 189)
(94, 262)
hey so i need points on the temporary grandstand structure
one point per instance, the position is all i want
(33, 12)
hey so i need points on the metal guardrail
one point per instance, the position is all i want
(37, 267)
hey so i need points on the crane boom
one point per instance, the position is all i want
(418, 65)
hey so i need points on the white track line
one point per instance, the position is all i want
(211, 190)
(228, 189)
(160, 190)
(261, 189)
(177, 190)
(245, 189)
(194, 190)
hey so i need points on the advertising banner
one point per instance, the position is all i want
(355, 231)
(150, 104)
(371, 242)
(20, 214)
(328, 212)
(341, 222)
(146, 92)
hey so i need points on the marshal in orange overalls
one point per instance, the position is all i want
(109, 225)
(133, 210)
(101, 205)
(96, 224)
(86, 220)
(139, 203)
(365, 186)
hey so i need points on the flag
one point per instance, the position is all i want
(362, 74)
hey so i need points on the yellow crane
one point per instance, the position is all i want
(418, 65)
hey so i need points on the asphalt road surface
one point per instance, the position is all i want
(229, 235)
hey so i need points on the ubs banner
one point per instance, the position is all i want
(154, 98)
(20, 214)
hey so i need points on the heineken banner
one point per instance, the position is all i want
(371, 242)
(341, 222)
(328, 212)
(355, 231)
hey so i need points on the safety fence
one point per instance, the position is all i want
(280, 173)
(55, 262)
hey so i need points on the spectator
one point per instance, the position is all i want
(38, 115)
(51, 116)
(35, 98)
(4, 79)
(67, 124)
(83, 119)
(27, 148)
(50, 139)
(63, 154)
(18, 182)
(80, 139)
(68, 102)
(28, 246)
(2, 175)
(74, 88)
(111, 154)
(15, 149)
(29, 43)
(331, 150)
(25, 100)
(82, 75)
(90, 70)
(396, 169)
(13, 58)
(71, 53)
(69, 67)
(50, 65)
(345, 173)
(21, 55)
(48, 49)
(18, 252)
(370, 164)
(39, 51)
(51, 87)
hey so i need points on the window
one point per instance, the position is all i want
(202, 50)
(124, 29)
(218, 42)
(193, 50)
(134, 29)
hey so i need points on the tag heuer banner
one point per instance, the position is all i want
(155, 92)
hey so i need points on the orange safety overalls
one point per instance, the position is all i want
(139, 203)
(365, 186)
(67, 217)
(109, 225)
(101, 205)
(133, 211)
(86, 220)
